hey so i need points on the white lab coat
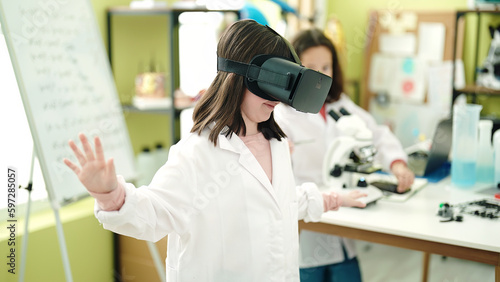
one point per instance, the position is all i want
(224, 219)
(312, 136)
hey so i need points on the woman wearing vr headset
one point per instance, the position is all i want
(226, 197)
(325, 257)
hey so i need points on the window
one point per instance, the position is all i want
(198, 37)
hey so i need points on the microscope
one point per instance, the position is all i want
(351, 156)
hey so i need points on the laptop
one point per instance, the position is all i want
(422, 161)
(425, 159)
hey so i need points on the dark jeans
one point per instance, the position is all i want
(346, 271)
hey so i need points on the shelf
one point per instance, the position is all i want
(486, 11)
(472, 90)
(137, 11)
(172, 13)
(475, 89)
(161, 111)
(133, 109)
(125, 10)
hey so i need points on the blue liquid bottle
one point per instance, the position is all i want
(485, 166)
(463, 173)
(496, 148)
(464, 145)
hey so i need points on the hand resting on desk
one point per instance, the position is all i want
(333, 201)
(404, 176)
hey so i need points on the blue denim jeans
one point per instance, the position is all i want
(346, 271)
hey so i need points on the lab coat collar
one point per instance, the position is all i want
(249, 162)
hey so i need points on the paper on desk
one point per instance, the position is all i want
(431, 37)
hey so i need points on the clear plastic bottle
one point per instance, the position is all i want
(146, 165)
(485, 166)
(161, 155)
(496, 147)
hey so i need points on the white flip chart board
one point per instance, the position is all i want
(66, 85)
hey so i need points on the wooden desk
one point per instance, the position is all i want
(414, 225)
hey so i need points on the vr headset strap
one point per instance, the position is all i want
(254, 73)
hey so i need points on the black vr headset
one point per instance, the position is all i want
(276, 78)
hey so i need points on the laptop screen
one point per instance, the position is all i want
(441, 146)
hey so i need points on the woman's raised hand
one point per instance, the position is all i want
(96, 174)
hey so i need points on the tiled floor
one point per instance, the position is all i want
(381, 263)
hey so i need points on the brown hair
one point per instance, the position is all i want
(221, 102)
(315, 37)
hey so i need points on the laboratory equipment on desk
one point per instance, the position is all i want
(485, 208)
(446, 211)
(485, 166)
(464, 145)
(351, 155)
(496, 149)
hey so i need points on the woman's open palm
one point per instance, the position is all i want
(96, 174)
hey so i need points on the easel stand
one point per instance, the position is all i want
(157, 261)
(60, 234)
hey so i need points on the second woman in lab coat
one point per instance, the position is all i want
(326, 257)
